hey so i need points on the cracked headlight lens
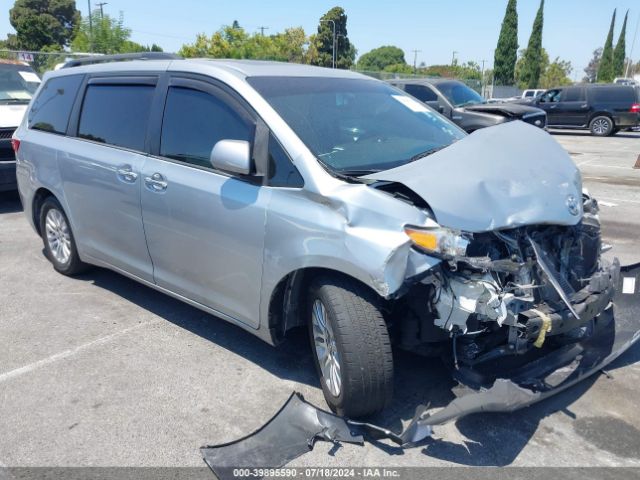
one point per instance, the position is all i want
(438, 240)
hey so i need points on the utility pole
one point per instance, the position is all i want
(100, 5)
(262, 29)
(633, 44)
(333, 46)
(482, 78)
(453, 58)
(90, 27)
(415, 60)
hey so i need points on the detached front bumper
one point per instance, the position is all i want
(616, 329)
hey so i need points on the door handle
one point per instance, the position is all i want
(126, 174)
(156, 182)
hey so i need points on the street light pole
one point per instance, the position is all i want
(333, 46)
(90, 27)
(626, 72)
(100, 5)
(415, 59)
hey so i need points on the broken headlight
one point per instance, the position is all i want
(438, 240)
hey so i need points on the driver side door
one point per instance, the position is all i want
(549, 102)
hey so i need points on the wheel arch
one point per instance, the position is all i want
(39, 197)
(287, 300)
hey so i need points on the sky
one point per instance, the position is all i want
(572, 28)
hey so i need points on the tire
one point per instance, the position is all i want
(361, 346)
(601, 126)
(59, 243)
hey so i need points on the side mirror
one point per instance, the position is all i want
(232, 156)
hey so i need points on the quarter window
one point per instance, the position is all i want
(194, 121)
(51, 108)
(116, 114)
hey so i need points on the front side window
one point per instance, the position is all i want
(116, 114)
(356, 126)
(50, 110)
(421, 92)
(459, 95)
(194, 121)
(551, 96)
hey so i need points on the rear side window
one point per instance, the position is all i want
(51, 108)
(422, 93)
(194, 121)
(116, 114)
(573, 95)
(613, 94)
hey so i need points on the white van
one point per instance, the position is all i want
(18, 83)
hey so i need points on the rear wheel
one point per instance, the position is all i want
(601, 126)
(351, 345)
(59, 244)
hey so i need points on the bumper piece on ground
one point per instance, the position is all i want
(295, 428)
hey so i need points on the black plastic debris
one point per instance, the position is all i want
(290, 433)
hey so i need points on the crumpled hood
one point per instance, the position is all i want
(506, 109)
(499, 177)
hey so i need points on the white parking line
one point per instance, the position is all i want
(607, 204)
(616, 200)
(68, 353)
(607, 166)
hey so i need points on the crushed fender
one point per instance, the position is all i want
(295, 428)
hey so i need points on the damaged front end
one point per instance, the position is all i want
(524, 312)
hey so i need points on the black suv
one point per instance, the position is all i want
(465, 106)
(603, 109)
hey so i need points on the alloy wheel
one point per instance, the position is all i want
(58, 236)
(325, 347)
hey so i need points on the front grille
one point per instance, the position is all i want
(5, 133)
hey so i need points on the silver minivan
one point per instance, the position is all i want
(278, 196)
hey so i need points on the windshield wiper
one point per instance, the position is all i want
(358, 172)
(426, 153)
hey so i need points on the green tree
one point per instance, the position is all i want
(619, 53)
(605, 69)
(532, 62)
(41, 23)
(380, 58)
(556, 74)
(322, 51)
(507, 48)
(106, 35)
(591, 70)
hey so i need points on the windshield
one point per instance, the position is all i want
(459, 94)
(356, 126)
(18, 83)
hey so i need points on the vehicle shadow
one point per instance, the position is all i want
(488, 439)
(10, 202)
(584, 133)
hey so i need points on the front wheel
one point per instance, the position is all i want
(601, 126)
(351, 345)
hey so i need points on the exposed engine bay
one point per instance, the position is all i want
(512, 292)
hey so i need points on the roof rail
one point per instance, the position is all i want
(120, 57)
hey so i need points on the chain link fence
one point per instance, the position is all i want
(41, 61)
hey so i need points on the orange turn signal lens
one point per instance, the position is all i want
(423, 238)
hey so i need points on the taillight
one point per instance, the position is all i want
(15, 143)
(635, 108)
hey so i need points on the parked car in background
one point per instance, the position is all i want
(530, 94)
(465, 106)
(626, 81)
(18, 83)
(276, 195)
(602, 109)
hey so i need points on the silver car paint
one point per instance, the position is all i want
(233, 267)
(506, 176)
